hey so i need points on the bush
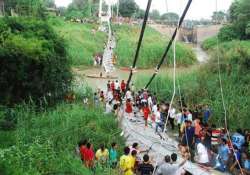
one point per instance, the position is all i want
(228, 33)
(33, 62)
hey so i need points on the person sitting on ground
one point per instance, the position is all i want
(235, 167)
(202, 153)
(126, 163)
(238, 139)
(223, 156)
(246, 163)
(167, 168)
(113, 155)
(145, 168)
(102, 155)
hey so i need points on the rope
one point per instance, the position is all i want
(222, 93)
(170, 42)
(139, 43)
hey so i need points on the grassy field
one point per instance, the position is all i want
(152, 49)
(201, 86)
(81, 42)
(44, 142)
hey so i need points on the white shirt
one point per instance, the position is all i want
(110, 96)
(202, 153)
(154, 109)
(172, 113)
(190, 117)
(178, 117)
(128, 95)
(150, 102)
(158, 117)
(117, 85)
(108, 108)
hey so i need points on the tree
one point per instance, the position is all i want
(140, 14)
(170, 18)
(49, 3)
(155, 15)
(219, 17)
(127, 8)
(33, 62)
(240, 20)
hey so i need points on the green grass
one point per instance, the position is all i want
(202, 86)
(82, 44)
(44, 142)
(152, 49)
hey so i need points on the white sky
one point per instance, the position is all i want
(199, 8)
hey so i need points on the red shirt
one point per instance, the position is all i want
(128, 107)
(146, 112)
(83, 152)
(123, 86)
(89, 155)
(112, 86)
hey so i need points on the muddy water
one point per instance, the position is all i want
(100, 83)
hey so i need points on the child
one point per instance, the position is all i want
(113, 155)
(129, 108)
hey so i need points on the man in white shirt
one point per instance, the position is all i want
(202, 153)
(117, 85)
(172, 117)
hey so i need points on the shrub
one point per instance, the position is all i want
(228, 33)
(33, 62)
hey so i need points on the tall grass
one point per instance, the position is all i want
(202, 86)
(153, 46)
(82, 44)
(44, 142)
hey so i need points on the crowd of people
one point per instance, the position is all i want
(199, 140)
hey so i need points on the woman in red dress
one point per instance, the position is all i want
(146, 112)
(129, 108)
(89, 156)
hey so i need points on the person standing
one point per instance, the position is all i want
(126, 163)
(102, 155)
(146, 112)
(202, 153)
(168, 168)
(113, 155)
(123, 86)
(145, 168)
(206, 114)
(223, 155)
(129, 109)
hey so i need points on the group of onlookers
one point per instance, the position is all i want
(199, 140)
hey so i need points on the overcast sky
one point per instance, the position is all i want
(199, 8)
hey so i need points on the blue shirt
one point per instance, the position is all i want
(207, 114)
(223, 152)
(238, 140)
(247, 165)
(113, 155)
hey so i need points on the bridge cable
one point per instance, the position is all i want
(139, 43)
(170, 43)
(222, 92)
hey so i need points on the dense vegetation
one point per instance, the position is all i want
(152, 48)
(45, 142)
(239, 27)
(33, 62)
(82, 42)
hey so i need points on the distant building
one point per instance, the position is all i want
(1, 7)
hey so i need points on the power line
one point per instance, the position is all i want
(139, 43)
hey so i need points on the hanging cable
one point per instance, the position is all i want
(139, 43)
(170, 43)
(221, 91)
